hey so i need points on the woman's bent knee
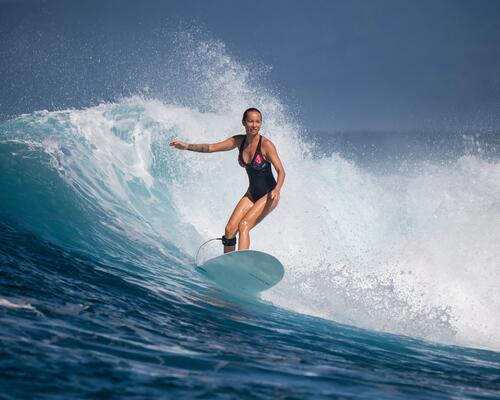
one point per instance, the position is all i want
(244, 226)
(231, 230)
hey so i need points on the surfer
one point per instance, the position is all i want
(256, 154)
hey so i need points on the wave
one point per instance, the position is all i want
(408, 252)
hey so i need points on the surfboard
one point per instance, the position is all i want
(244, 272)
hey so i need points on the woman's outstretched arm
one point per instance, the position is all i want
(225, 145)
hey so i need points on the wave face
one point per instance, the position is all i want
(411, 251)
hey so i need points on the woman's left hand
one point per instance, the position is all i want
(275, 194)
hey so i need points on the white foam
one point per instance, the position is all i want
(16, 306)
(411, 254)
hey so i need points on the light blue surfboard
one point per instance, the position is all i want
(244, 271)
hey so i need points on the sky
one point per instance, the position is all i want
(370, 65)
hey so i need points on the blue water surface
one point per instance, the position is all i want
(75, 326)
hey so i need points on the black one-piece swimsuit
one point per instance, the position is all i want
(260, 174)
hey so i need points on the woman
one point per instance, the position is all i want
(256, 154)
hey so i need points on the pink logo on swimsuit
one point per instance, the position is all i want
(258, 159)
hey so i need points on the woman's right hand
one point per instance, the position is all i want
(179, 145)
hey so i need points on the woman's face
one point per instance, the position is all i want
(252, 123)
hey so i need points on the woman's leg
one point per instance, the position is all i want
(254, 215)
(238, 213)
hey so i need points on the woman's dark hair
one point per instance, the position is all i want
(250, 110)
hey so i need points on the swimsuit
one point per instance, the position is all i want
(259, 172)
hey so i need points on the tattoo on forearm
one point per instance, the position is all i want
(200, 148)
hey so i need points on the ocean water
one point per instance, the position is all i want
(392, 263)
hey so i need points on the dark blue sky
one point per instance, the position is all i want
(339, 65)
